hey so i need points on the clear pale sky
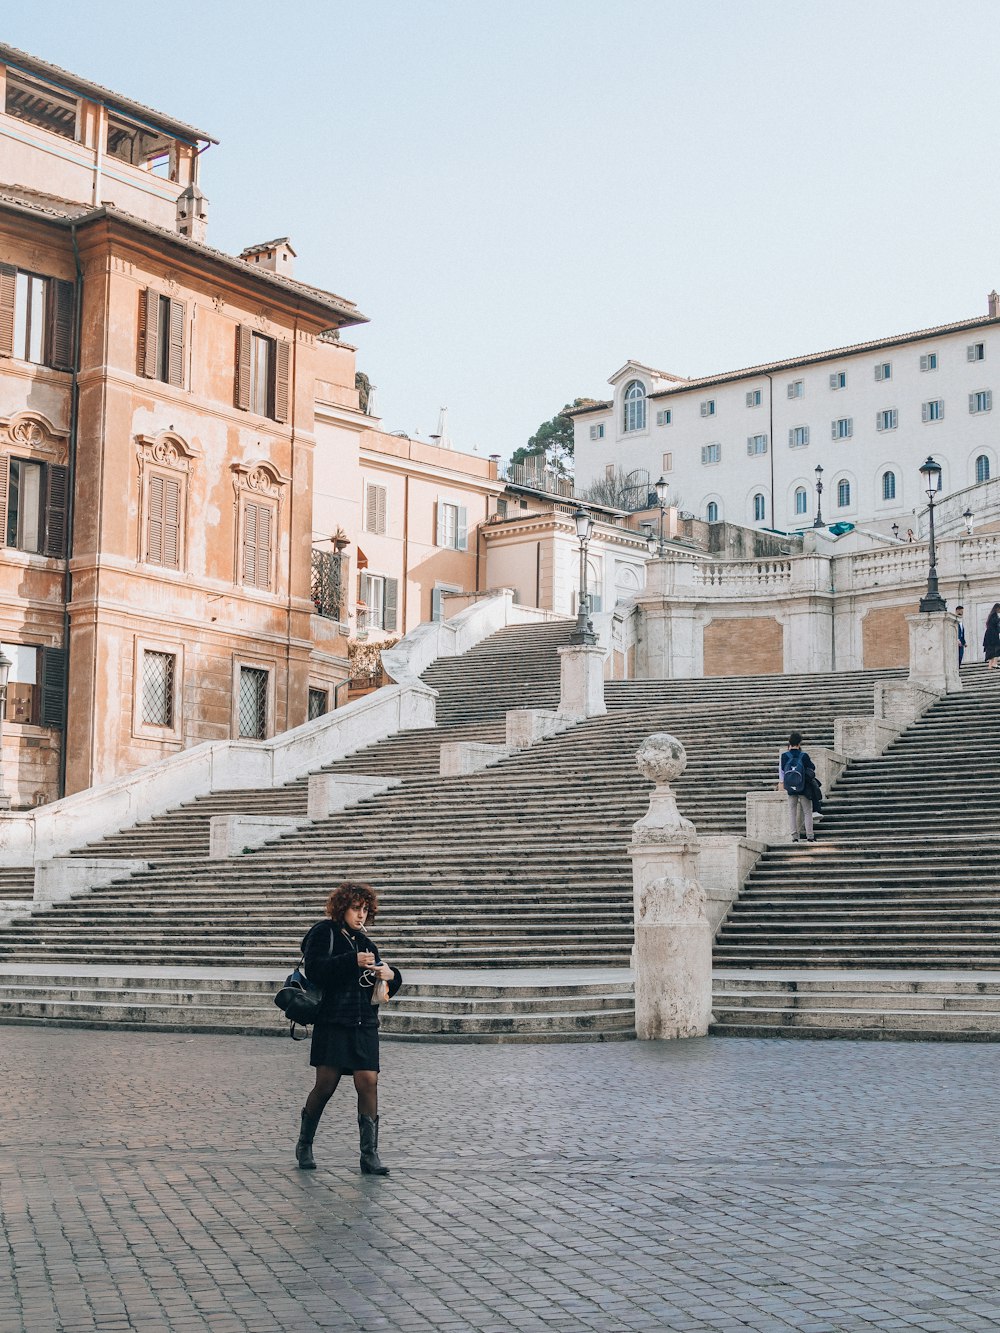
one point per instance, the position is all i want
(523, 195)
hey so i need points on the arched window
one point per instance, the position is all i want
(758, 508)
(634, 407)
(888, 485)
(843, 494)
(801, 500)
(982, 468)
(711, 512)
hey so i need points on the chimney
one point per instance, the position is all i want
(993, 305)
(192, 214)
(274, 256)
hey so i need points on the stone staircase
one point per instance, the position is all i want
(904, 879)
(520, 866)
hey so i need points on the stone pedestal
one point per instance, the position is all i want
(672, 959)
(461, 757)
(934, 651)
(863, 737)
(767, 817)
(232, 835)
(581, 680)
(331, 792)
(527, 726)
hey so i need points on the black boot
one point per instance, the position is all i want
(304, 1146)
(370, 1163)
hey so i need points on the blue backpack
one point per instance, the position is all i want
(793, 774)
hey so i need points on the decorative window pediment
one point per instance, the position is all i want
(31, 432)
(166, 449)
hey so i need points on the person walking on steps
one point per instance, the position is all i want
(991, 639)
(797, 775)
(961, 632)
(344, 962)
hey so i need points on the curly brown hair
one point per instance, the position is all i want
(352, 893)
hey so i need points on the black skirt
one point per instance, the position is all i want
(343, 1048)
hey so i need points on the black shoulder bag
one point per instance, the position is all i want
(300, 999)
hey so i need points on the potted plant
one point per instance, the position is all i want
(339, 540)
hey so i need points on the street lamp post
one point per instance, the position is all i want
(5, 666)
(818, 520)
(932, 600)
(584, 631)
(970, 521)
(662, 486)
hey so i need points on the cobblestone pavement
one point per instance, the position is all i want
(147, 1182)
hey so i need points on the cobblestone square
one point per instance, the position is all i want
(147, 1182)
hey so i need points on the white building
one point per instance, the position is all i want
(744, 445)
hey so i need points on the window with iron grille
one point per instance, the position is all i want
(253, 704)
(318, 703)
(158, 689)
(328, 568)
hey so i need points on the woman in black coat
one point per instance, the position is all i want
(344, 962)
(991, 639)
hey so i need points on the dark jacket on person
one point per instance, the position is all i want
(812, 790)
(330, 950)
(991, 639)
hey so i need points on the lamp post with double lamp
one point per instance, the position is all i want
(584, 631)
(661, 488)
(818, 520)
(932, 600)
(5, 666)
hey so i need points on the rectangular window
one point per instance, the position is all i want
(501, 507)
(668, 462)
(883, 370)
(842, 428)
(263, 383)
(29, 318)
(838, 380)
(798, 437)
(597, 432)
(158, 689)
(981, 401)
(452, 526)
(163, 521)
(252, 707)
(36, 318)
(161, 338)
(975, 352)
(33, 502)
(933, 410)
(929, 361)
(756, 444)
(319, 702)
(797, 389)
(609, 471)
(887, 420)
(711, 453)
(753, 398)
(665, 417)
(708, 407)
(380, 595)
(257, 545)
(375, 508)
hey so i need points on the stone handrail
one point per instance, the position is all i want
(983, 498)
(56, 829)
(744, 577)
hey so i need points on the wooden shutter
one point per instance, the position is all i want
(250, 512)
(4, 489)
(175, 350)
(52, 710)
(171, 522)
(265, 516)
(282, 361)
(60, 324)
(435, 604)
(8, 289)
(462, 539)
(154, 521)
(389, 604)
(380, 509)
(363, 588)
(244, 341)
(441, 529)
(149, 332)
(55, 509)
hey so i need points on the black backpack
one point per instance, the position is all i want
(793, 774)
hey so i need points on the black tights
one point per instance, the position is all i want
(327, 1078)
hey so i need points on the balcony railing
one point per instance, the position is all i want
(328, 571)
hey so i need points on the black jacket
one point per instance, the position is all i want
(330, 951)
(813, 791)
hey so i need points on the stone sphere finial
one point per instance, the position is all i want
(661, 757)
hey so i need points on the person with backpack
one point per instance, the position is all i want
(797, 775)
